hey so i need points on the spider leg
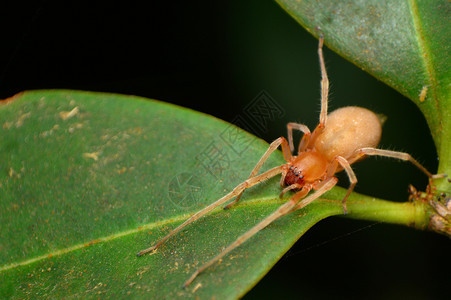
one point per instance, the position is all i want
(286, 208)
(282, 210)
(305, 139)
(289, 188)
(282, 179)
(236, 191)
(394, 154)
(324, 96)
(274, 145)
(324, 84)
(323, 187)
(351, 175)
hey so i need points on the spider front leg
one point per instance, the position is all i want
(283, 210)
(321, 188)
(274, 145)
(236, 191)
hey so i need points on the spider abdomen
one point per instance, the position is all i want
(348, 129)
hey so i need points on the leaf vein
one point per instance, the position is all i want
(425, 55)
(161, 223)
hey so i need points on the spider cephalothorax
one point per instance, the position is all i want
(306, 168)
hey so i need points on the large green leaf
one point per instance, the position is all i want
(403, 43)
(89, 179)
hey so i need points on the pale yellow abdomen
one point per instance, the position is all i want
(348, 129)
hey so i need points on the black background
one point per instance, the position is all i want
(215, 57)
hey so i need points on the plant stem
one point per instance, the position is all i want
(414, 214)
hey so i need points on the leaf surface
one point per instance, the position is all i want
(88, 179)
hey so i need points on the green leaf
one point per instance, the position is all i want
(87, 180)
(403, 43)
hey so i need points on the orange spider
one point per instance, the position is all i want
(340, 139)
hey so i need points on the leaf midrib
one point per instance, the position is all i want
(245, 204)
(426, 58)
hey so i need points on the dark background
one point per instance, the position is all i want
(215, 57)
